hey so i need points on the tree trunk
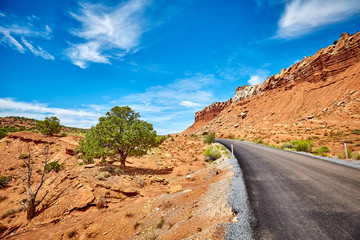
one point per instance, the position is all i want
(30, 214)
(122, 161)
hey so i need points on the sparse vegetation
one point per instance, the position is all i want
(4, 180)
(231, 136)
(298, 145)
(30, 203)
(212, 153)
(24, 156)
(322, 151)
(49, 126)
(71, 233)
(210, 138)
(356, 131)
(160, 223)
(53, 166)
(260, 141)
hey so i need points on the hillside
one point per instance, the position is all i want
(16, 124)
(170, 193)
(316, 99)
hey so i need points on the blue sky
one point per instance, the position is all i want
(165, 59)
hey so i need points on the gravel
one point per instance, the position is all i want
(240, 228)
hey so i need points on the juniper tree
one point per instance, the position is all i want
(121, 133)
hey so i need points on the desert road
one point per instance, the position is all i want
(298, 197)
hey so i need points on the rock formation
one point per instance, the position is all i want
(245, 92)
(326, 63)
(211, 111)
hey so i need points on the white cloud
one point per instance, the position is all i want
(2, 14)
(37, 52)
(80, 54)
(305, 16)
(83, 118)
(11, 28)
(8, 40)
(104, 29)
(189, 104)
(256, 79)
(171, 107)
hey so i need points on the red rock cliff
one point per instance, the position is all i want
(211, 111)
(327, 62)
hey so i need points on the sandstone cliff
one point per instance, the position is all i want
(319, 96)
(211, 111)
(327, 62)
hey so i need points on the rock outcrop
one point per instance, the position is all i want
(327, 62)
(208, 113)
(245, 92)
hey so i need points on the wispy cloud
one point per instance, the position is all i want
(37, 52)
(106, 32)
(305, 16)
(189, 104)
(83, 118)
(11, 29)
(171, 107)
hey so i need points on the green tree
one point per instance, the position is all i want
(120, 134)
(49, 126)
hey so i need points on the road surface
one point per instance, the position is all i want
(298, 197)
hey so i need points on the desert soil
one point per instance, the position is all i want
(170, 193)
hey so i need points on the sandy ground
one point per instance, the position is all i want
(170, 193)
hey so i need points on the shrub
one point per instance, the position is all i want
(335, 42)
(161, 222)
(4, 181)
(287, 145)
(231, 136)
(356, 131)
(24, 156)
(71, 234)
(302, 145)
(53, 166)
(49, 126)
(356, 155)
(260, 141)
(212, 153)
(323, 151)
(210, 138)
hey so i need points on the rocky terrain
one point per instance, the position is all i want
(170, 193)
(316, 99)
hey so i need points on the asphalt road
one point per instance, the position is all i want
(298, 197)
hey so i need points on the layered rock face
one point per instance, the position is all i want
(245, 92)
(326, 63)
(211, 111)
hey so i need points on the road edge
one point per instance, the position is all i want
(238, 199)
(352, 163)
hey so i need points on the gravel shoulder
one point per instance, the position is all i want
(237, 197)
